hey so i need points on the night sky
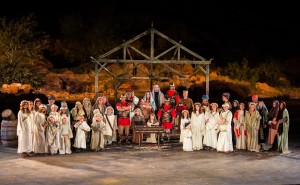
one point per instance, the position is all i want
(212, 27)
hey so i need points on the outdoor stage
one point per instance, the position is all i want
(127, 164)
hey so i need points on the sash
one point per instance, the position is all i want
(109, 123)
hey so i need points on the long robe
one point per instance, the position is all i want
(183, 121)
(240, 129)
(252, 121)
(24, 132)
(52, 138)
(97, 141)
(80, 139)
(198, 130)
(39, 139)
(225, 136)
(210, 137)
(108, 131)
(283, 138)
(187, 139)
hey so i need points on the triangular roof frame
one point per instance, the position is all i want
(101, 62)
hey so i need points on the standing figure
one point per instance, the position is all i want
(81, 129)
(187, 137)
(124, 109)
(225, 136)
(225, 99)
(172, 95)
(133, 100)
(100, 104)
(240, 127)
(183, 121)
(166, 116)
(146, 109)
(51, 101)
(184, 103)
(149, 99)
(88, 115)
(110, 131)
(197, 126)
(36, 104)
(76, 113)
(262, 132)
(39, 138)
(283, 129)
(25, 129)
(65, 135)
(55, 114)
(210, 137)
(98, 127)
(272, 122)
(137, 120)
(158, 96)
(150, 123)
(205, 102)
(252, 122)
(235, 107)
(52, 135)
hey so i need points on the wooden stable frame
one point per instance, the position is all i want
(102, 61)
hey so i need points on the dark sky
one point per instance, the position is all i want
(272, 28)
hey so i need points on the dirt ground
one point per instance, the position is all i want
(129, 164)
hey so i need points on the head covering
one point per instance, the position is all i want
(96, 111)
(225, 105)
(51, 98)
(185, 90)
(80, 117)
(50, 116)
(52, 106)
(172, 84)
(205, 96)
(109, 107)
(185, 111)
(123, 96)
(252, 103)
(155, 85)
(78, 103)
(42, 106)
(226, 95)
(197, 103)
(215, 104)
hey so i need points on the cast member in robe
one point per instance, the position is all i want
(210, 137)
(224, 143)
(283, 129)
(240, 127)
(158, 96)
(76, 113)
(197, 126)
(252, 122)
(172, 95)
(88, 115)
(52, 135)
(25, 129)
(272, 122)
(146, 109)
(185, 118)
(187, 137)
(225, 99)
(39, 138)
(263, 131)
(137, 120)
(150, 123)
(51, 101)
(80, 138)
(98, 127)
(37, 102)
(110, 131)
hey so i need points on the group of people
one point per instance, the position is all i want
(45, 128)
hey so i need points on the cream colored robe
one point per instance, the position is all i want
(97, 141)
(39, 139)
(239, 123)
(210, 138)
(25, 132)
(198, 130)
(252, 122)
(52, 138)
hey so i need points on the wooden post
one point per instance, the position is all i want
(207, 79)
(96, 80)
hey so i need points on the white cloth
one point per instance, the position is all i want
(198, 130)
(39, 139)
(182, 123)
(210, 137)
(25, 132)
(187, 139)
(225, 136)
(80, 139)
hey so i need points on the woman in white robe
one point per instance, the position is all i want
(65, 136)
(187, 145)
(184, 119)
(225, 136)
(39, 139)
(197, 126)
(211, 117)
(25, 129)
